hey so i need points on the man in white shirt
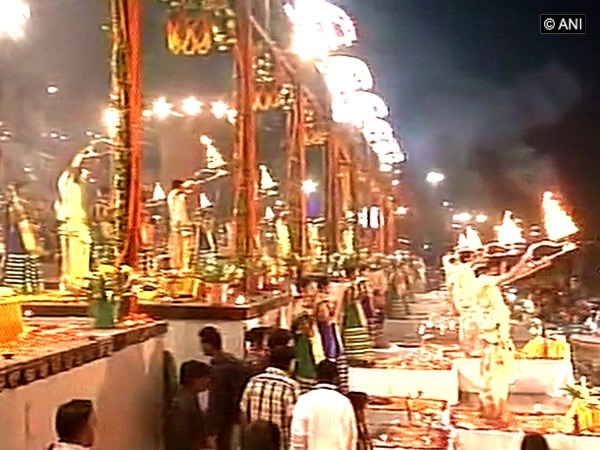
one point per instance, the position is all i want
(323, 418)
(180, 238)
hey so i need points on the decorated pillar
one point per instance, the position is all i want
(297, 174)
(246, 171)
(390, 226)
(332, 206)
(355, 205)
(126, 102)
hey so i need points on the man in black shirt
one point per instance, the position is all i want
(228, 376)
(186, 422)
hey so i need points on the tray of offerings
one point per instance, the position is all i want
(412, 437)
(420, 359)
(407, 404)
(470, 419)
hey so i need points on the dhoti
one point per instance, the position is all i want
(180, 246)
(75, 243)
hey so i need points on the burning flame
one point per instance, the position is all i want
(158, 192)
(559, 225)
(204, 201)
(269, 213)
(469, 240)
(266, 180)
(509, 232)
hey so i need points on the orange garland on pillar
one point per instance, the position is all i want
(246, 176)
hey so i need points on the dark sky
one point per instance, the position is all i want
(478, 92)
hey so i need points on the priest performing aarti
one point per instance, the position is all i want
(476, 276)
(74, 223)
(181, 227)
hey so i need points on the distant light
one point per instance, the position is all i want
(161, 108)
(402, 210)
(481, 218)
(51, 89)
(445, 203)
(54, 135)
(462, 217)
(63, 137)
(395, 182)
(219, 109)
(89, 133)
(385, 168)
(309, 187)
(435, 177)
(191, 106)
(426, 246)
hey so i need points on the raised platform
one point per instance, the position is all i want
(120, 370)
(184, 319)
(55, 304)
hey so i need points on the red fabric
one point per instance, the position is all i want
(133, 25)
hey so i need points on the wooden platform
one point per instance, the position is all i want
(55, 304)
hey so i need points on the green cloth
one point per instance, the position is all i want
(351, 316)
(306, 367)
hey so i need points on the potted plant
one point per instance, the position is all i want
(106, 287)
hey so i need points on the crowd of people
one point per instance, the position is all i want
(251, 404)
(290, 392)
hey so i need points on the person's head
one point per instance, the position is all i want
(194, 375)
(327, 372)
(176, 184)
(76, 423)
(303, 325)
(534, 441)
(323, 311)
(282, 358)
(261, 435)
(256, 337)
(279, 337)
(359, 401)
(210, 341)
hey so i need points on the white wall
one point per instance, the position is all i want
(127, 389)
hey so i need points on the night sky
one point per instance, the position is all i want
(478, 92)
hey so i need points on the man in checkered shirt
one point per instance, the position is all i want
(272, 395)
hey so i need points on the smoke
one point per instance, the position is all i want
(475, 129)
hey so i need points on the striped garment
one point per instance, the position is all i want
(23, 273)
(343, 373)
(271, 396)
(357, 341)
